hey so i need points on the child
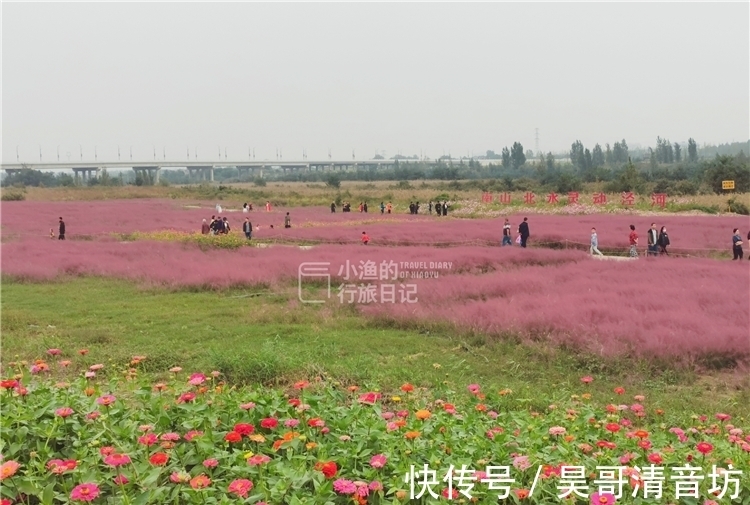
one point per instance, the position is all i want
(365, 238)
(52, 233)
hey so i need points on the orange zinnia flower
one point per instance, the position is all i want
(407, 388)
(200, 482)
(641, 434)
(522, 494)
(423, 414)
(412, 434)
(8, 469)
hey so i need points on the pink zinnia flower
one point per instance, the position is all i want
(587, 379)
(85, 492)
(106, 400)
(54, 352)
(96, 367)
(170, 437)
(148, 440)
(369, 398)
(120, 480)
(240, 487)
(89, 375)
(723, 417)
(186, 397)
(190, 435)
(64, 412)
(557, 430)
(117, 460)
(247, 406)
(211, 463)
(378, 461)
(473, 388)
(197, 379)
(391, 426)
(387, 415)
(258, 459)
(291, 423)
(375, 486)
(521, 463)
(344, 486)
(602, 499)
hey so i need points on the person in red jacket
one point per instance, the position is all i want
(365, 238)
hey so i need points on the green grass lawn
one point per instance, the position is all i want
(265, 337)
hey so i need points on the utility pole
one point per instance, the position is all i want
(118, 153)
(40, 153)
(154, 152)
(58, 154)
(81, 148)
(537, 141)
(17, 157)
(164, 152)
(131, 153)
(95, 155)
(225, 154)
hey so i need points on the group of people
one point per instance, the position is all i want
(217, 226)
(658, 240)
(61, 229)
(523, 233)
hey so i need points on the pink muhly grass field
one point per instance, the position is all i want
(688, 234)
(653, 305)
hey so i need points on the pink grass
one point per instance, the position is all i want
(695, 235)
(655, 305)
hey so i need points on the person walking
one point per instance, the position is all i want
(287, 221)
(389, 207)
(663, 241)
(594, 243)
(633, 238)
(268, 206)
(365, 207)
(748, 239)
(205, 228)
(61, 236)
(429, 207)
(365, 238)
(361, 207)
(382, 208)
(736, 244)
(653, 238)
(225, 226)
(523, 230)
(247, 227)
(52, 233)
(506, 233)
(333, 207)
(445, 208)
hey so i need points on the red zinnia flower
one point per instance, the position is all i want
(244, 429)
(316, 422)
(186, 397)
(328, 468)
(619, 390)
(655, 458)
(301, 385)
(233, 437)
(148, 439)
(407, 388)
(8, 383)
(369, 398)
(269, 423)
(612, 427)
(704, 447)
(159, 459)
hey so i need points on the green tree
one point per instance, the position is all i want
(597, 157)
(577, 158)
(677, 152)
(608, 155)
(333, 181)
(727, 168)
(506, 157)
(550, 161)
(692, 151)
(517, 156)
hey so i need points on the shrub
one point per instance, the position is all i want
(13, 196)
(738, 207)
(259, 181)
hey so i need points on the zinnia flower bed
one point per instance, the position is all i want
(193, 439)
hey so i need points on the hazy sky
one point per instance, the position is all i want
(457, 78)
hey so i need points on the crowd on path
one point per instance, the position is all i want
(657, 240)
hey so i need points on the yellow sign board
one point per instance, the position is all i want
(727, 184)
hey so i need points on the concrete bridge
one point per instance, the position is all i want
(201, 170)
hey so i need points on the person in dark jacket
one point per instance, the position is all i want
(62, 230)
(247, 227)
(439, 208)
(523, 230)
(445, 208)
(653, 238)
(663, 241)
(333, 207)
